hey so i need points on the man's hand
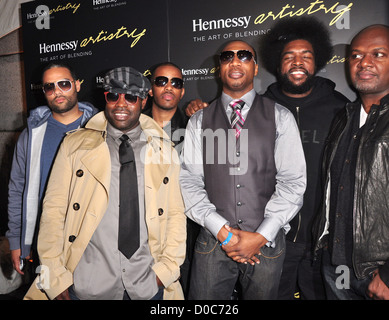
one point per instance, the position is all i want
(223, 234)
(195, 105)
(377, 289)
(63, 296)
(15, 256)
(159, 283)
(247, 246)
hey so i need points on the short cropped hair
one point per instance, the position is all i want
(60, 65)
(164, 64)
(290, 29)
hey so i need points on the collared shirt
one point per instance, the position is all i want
(289, 158)
(103, 271)
(248, 99)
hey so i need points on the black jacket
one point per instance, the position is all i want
(177, 122)
(313, 115)
(371, 190)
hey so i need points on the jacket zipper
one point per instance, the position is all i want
(298, 116)
(299, 224)
(298, 227)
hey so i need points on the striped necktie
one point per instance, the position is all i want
(237, 120)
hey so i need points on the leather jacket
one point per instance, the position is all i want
(371, 201)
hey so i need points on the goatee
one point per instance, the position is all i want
(290, 87)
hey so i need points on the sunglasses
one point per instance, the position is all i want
(113, 97)
(243, 55)
(163, 81)
(64, 85)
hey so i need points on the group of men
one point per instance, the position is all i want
(103, 208)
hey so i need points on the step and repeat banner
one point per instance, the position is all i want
(97, 35)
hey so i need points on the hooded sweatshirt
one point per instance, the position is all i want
(24, 184)
(313, 114)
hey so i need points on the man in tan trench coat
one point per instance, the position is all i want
(77, 242)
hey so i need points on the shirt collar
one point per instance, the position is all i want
(115, 134)
(248, 98)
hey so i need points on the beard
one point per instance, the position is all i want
(290, 87)
(67, 106)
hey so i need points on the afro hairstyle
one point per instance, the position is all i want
(290, 29)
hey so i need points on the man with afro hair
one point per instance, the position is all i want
(294, 51)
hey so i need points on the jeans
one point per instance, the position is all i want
(299, 273)
(342, 284)
(215, 275)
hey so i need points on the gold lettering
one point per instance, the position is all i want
(74, 6)
(311, 9)
(335, 59)
(122, 31)
(214, 70)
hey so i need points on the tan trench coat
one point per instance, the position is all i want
(77, 197)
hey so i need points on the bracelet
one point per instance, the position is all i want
(227, 239)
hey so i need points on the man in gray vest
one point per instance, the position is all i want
(243, 178)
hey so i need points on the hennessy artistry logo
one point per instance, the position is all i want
(337, 10)
(121, 32)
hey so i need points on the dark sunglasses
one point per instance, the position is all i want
(243, 55)
(113, 97)
(163, 81)
(64, 85)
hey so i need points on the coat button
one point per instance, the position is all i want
(72, 238)
(76, 206)
(79, 173)
(165, 180)
(160, 211)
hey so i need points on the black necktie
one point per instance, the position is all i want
(129, 205)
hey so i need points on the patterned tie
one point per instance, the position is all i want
(129, 203)
(237, 120)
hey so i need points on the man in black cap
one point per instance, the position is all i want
(93, 243)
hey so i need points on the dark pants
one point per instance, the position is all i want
(215, 275)
(299, 274)
(342, 284)
(192, 231)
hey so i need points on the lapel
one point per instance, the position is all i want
(158, 155)
(97, 161)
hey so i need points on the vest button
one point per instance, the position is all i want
(238, 186)
(79, 173)
(76, 206)
(72, 238)
(240, 221)
(160, 211)
(165, 180)
(239, 204)
(238, 154)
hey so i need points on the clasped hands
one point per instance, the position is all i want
(243, 246)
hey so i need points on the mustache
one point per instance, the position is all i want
(298, 69)
(61, 96)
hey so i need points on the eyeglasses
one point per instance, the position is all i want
(163, 81)
(243, 55)
(113, 97)
(64, 85)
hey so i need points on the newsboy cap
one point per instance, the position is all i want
(127, 80)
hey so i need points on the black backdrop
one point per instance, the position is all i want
(97, 35)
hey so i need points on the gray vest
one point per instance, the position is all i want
(240, 174)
